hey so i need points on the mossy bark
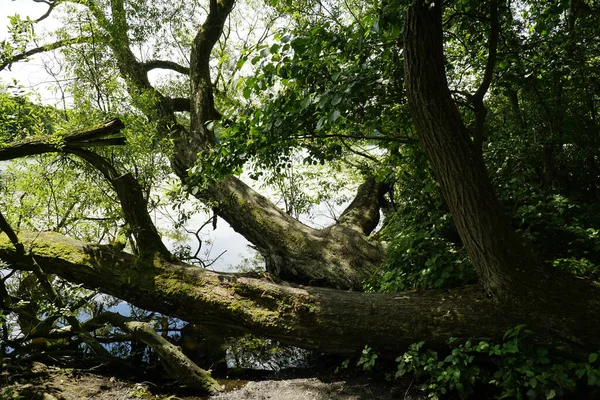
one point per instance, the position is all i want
(340, 256)
(327, 320)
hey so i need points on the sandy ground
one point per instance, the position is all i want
(41, 382)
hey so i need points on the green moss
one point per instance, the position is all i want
(170, 285)
(48, 245)
(257, 314)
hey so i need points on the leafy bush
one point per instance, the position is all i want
(9, 394)
(561, 228)
(424, 250)
(521, 369)
(367, 359)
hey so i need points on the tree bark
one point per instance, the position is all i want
(508, 271)
(497, 253)
(322, 319)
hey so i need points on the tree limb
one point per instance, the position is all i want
(132, 201)
(164, 64)
(307, 317)
(49, 144)
(480, 109)
(363, 212)
(42, 49)
(177, 364)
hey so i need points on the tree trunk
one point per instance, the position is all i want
(496, 251)
(508, 271)
(327, 320)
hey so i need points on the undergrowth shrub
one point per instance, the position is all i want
(519, 369)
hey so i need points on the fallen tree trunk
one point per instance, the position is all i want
(327, 320)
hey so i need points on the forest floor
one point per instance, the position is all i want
(42, 382)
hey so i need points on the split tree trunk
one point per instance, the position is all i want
(341, 256)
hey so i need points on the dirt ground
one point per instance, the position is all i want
(42, 382)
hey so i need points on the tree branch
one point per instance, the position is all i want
(42, 49)
(363, 212)
(164, 64)
(132, 201)
(480, 109)
(48, 144)
(203, 107)
(6, 228)
(178, 365)
(51, 4)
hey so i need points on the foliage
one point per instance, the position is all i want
(323, 89)
(520, 369)
(8, 394)
(541, 155)
(367, 359)
(563, 229)
(424, 250)
(20, 116)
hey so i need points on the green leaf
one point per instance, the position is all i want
(320, 122)
(305, 102)
(592, 358)
(334, 115)
(533, 382)
(240, 63)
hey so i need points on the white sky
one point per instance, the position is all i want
(31, 74)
